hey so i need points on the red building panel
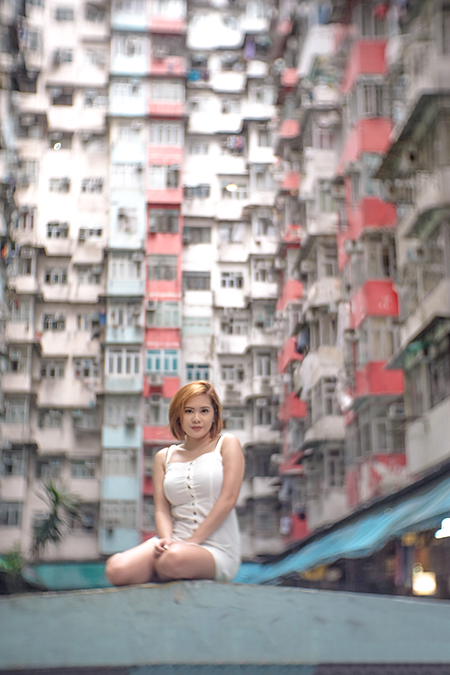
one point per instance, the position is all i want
(158, 435)
(289, 78)
(374, 380)
(172, 65)
(289, 129)
(165, 109)
(292, 407)
(170, 386)
(367, 57)
(299, 528)
(164, 243)
(164, 155)
(292, 290)
(368, 135)
(374, 298)
(163, 338)
(148, 486)
(290, 182)
(376, 476)
(370, 212)
(168, 196)
(288, 354)
(168, 26)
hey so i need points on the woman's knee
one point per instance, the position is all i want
(116, 570)
(171, 564)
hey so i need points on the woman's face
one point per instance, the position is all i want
(197, 416)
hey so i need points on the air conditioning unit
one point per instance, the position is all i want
(396, 411)
(152, 305)
(26, 252)
(82, 234)
(156, 379)
(353, 247)
(130, 420)
(261, 402)
(153, 228)
(259, 324)
(137, 257)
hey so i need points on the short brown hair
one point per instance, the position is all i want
(178, 402)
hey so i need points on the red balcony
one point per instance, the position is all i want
(292, 234)
(165, 109)
(174, 66)
(376, 476)
(289, 78)
(165, 196)
(168, 386)
(164, 155)
(147, 489)
(158, 435)
(292, 407)
(290, 182)
(374, 380)
(370, 212)
(368, 135)
(367, 57)
(289, 129)
(288, 354)
(292, 290)
(168, 26)
(373, 298)
(299, 528)
(163, 243)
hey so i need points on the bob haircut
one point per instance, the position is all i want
(178, 402)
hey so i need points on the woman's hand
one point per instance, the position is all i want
(162, 545)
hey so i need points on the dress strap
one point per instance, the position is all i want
(219, 443)
(169, 454)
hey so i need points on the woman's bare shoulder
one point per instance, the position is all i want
(230, 441)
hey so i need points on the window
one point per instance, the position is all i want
(197, 372)
(334, 468)
(126, 89)
(95, 57)
(230, 106)
(262, 94)
(168, 133)
(85, 233)
(197, 325)
(28, 173)
(10, 514)
(31, 39)
(130, 133)
(166, 315)
(233, 145)
(156, 411)
(122, 361)
(92, 185)
(264, 415)
(439, 372)
(64, 14)
(378, 340)
(47, 469)
(196, 235)
(120, 409)
(240, 191)
(196, 281)
(323, 401)
(94, 13)
(86, 369)
(20, 310)
(164, 177)
(323, 138)
(127, 219)
(172, 9)
(234, 325)
(371, 23)
(121, 514)
(55, 322)
(263, 271)
(326, 201)
(327, 265)
(125, 267)
(57, 230)
(94, 98)
(233, 418)
(52, 370)
(232, 233)
(149, 516)
(198, 148)
(165, 46)
(232, 372)
(18, 360)
(201, 191)
(61, 185)
(127, 176)
(355, 188)
(26, 219)
(61, 56)
(163, 220)
(126, 45)
(51, 419)
(23, 266)
(263, 365)
(231, 280)
(162, 361)
(89, 322)
(162, 267)
(55, 276)
(16, 410)
(123, 314)
(122, 462)
(13, 463)
(263, 179)
(264, 138)
(61, 95)
(446, 29)
(169, 92)
(198, 103)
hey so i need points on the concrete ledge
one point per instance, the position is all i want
(207, 623)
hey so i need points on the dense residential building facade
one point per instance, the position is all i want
(250, 193)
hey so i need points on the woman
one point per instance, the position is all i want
(196, 486)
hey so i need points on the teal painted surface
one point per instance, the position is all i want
(124, 21)
(124, 384)
(362, 536)
(122, 437)
(124, 336)
(70, 576)
(211, 623)
(125, 488)
(119, 539)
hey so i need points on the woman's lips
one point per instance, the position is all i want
(196, 428)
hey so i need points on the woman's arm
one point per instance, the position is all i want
(163, 516)
(233, 474)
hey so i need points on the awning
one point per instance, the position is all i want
(361, 537)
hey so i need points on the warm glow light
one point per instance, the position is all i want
(423, 583)
(445, 529)
(57, 146)
(231, 187)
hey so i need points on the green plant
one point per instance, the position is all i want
(64, 511)
(12, 565)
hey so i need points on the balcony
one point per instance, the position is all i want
(175, 66)
(375, 476)
(367, 136)
(323, 292)
(167, 25)
(292, 292)
(327, 428)
(231, 344)
(15, 383)
(88, 489)
(430, 198)
(262, 434)
(164, 196)
(374, 380)
(367, 57)
(118, 287)
(373, 298)
(257, 386)
(230, 297)
(124, 335)
(370, 212)
(165, 109)
(288, 354)
(123, 435)
(71, 393)
(422, 309)
(429, 431)
(262, 337)
(129, 385)
(24, 283)
(292, 407)
(158, 435)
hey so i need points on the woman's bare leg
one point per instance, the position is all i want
(185, 561)
(135, 566)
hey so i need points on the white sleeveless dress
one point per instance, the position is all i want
(192, 489)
